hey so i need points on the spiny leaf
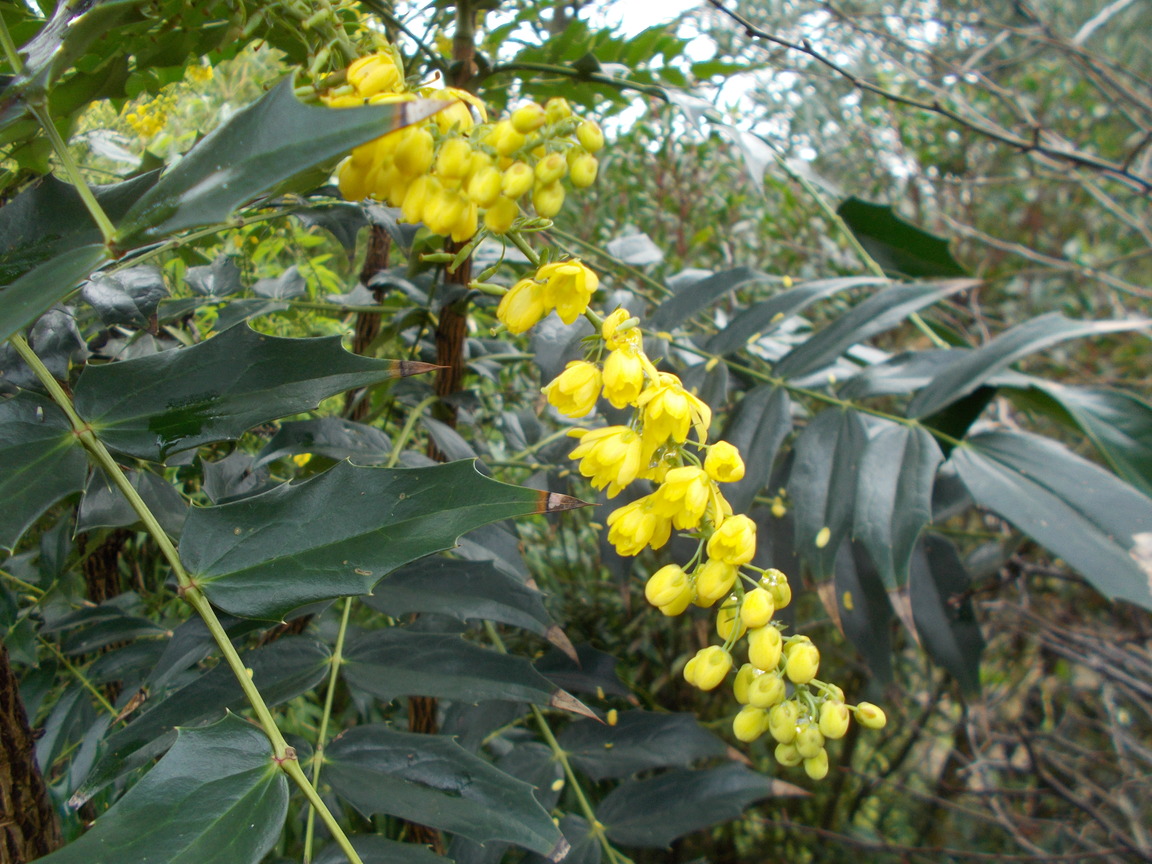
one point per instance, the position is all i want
(216, 798)
(216, 390)
(340, 532)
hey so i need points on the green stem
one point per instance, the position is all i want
(634, 273)
(559, 754)
(406, 432)
(284, 755)
(44, 118)
(81, 677)
(322, 733)
(517, 238)
(20, 583)
(10, 52)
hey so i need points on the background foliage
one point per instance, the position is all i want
(908, 268)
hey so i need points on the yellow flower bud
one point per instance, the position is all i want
(817, 766)
(583, 170)
(712, 665)
(870, 716)
(677, 606)
(803, 663)
(782, 722)
(529, 118)
(666, 585)
(550, 169)
(728, 619)
(744, 679)
(776, 584)
(518, 179)
(623, 377)
(548, 199)
(767, 691)
(734, 542)
(764, 647)
(417, 197)
(415, 151)
(684, 495)
(833, 719)
(723, 463)
(750, 724)
(557, 108)
(522, 307)
(467, 225)
(636, 525)
(499, 217)
(376, 73)
(352, 181)
(570, 286)
(787, 756)
(454, 159)
(575, 390)
(590, 136)
(504, 138)
(758, 608)
(484, 186)
(808, 740)
(714, 580)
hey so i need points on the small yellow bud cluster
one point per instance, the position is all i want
(456, 167)
(777, 687)
(149, 118)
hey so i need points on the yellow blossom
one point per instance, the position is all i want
(723, 463)
(734, 542)
(569, 287)
(623, 377)
(610, 456)
(637, 525)
(684, 495)
(522, 307)
(575, 390)
(669, 411)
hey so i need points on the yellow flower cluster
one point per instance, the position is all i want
(149, 118)
(777, 687)
(457, 167)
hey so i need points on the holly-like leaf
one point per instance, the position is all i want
(282, 670)
(942, 610)
(652, 813)
(1097, 523)
(465, 590)
(894, 497)
(164, 403)
(332, 437)
(37, 291)
(822, 485)
(758, 426)
(286, 286)
(899, 247)
(129, 296)
(764, 317)
(40, 462)
(374, 849)
(971, 369)
(639, 740)
(221, 278)
(104, 505)
(216, 798)
(252, 153)
(340, 532)
(399, 662)
(882, 311)
(434, 781)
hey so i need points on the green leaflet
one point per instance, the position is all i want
(216, 798)
(340, 532)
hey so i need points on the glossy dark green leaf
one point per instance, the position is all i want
(864, 609)
(652, 813)
(757, 427)
(254, 559)
(221, 278)
(282, 670)
(333, 437)
(764, 317)
(1097, 523)
(287, 286)
(398, 662)
(898, 246)
(40, 462)
(104, 505)
(129, 296)
(216, 798)
(374, 849)
(973, 368)
(904, 373)
(465, 590)
(432, 780)
(640, 740)
(894, 496)
(822, 485)
(237, 312)
(163, 403)
(1118, 424)
(593, 671)
(343, 220)
(252, 153)
(882, 311)
(35, 292)
(677, 309)
(942, 610)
